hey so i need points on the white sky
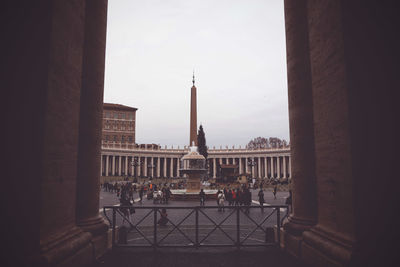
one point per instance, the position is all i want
(237, 48)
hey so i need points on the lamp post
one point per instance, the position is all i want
(135, 162)
(151, 166)
(251, 162)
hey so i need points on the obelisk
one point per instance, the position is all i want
(193, 115)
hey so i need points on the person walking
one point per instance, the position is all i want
(221, 200)
(167, 195)
(229, 197)
(202, 197)
(164, 217)
(141, 192)
(275, 190)
(261, 199)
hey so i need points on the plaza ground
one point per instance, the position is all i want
(204, 256)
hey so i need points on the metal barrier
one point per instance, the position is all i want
(196, 226)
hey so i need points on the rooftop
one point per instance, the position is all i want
(118, 106)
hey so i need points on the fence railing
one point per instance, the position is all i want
(195, 226)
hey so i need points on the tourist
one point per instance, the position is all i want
(141, 191)
(218, 192)
(261, 199)
(167, 195)
(274, 192)
(127, 210)
(202, 197)
(229, 197)
(237, 200)
(164, 217)
(221, 200)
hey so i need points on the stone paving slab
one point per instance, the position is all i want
(204, 257)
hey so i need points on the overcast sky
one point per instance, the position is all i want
(237, 49)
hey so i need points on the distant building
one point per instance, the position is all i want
(119, 124)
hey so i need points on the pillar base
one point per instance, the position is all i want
(71, 247)
(293, 230)
(323, 248)
(100, 234)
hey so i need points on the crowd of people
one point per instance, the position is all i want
(238, 195)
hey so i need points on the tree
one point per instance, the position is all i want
(258, 142)
(271, 142)
(201, 142)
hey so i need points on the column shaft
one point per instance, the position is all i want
(119, 165)
(272, 168)
(165, 167)
(90, 125)
(145, 166)
(265, 168)
(113, 165)
(171, 167)
(214, 167)
(107, 163)
(158, 166)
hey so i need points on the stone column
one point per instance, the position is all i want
(119, 165)
(171, 167)
(113, 166)
(304, 199)
(101, 165)
(278, 166)
(107, 163)
(158, 166)
(284, 166)
(265, 167)
(259, 167)
(90, 126)
(252, 167)
(214, 168)
(177, 167)
(165, 167)
(139, 166)
(126, 166)
(240, 166)
(145, 166)
(272, 167)
(246, 165)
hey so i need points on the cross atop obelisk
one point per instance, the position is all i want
(193, 115)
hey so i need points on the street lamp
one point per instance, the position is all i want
(251, 162)
(135, 162)
(151, 166)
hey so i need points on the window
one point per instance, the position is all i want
(123, 139)
(115, 115)
(123, 115)
(107, 137)
(130, 139)
(115, 138)
(131, 116)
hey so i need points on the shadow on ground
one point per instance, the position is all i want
(192, 258)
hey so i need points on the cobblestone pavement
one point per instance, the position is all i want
(141, 228)
(207, 218)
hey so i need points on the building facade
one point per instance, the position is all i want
(119, 123)
(118, 159)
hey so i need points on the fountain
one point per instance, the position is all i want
(194, 166)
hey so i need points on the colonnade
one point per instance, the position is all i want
(159, 164)
(261, 166)
(140, 166)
